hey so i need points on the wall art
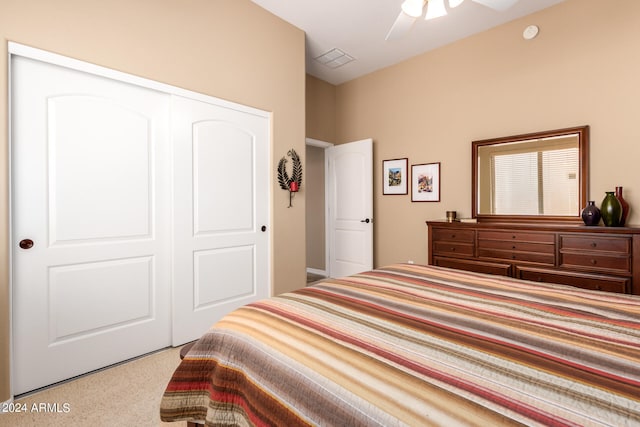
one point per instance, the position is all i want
(425, 182)
(395, 176)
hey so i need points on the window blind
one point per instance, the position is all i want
(548, 174)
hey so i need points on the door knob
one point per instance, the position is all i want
(26, 243)
(367, 220)
(263, 228)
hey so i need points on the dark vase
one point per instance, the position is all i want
(591, 214)
(624, 204)
(611, 210)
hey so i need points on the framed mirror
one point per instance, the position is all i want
(541, 176)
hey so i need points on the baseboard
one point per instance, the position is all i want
(317, 271)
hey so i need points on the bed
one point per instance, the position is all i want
(417, 345)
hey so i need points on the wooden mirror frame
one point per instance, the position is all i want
(583, 175)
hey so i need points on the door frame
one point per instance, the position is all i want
(324, 145)
(17, 49)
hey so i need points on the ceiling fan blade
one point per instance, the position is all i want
(499, 5)
(400, 27)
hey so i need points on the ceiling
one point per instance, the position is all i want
(359, 27)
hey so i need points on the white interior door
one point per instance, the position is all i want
(91, 190)
(221, 213)
(350, 207)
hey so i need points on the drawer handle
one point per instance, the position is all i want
(594, 244)
(513, 256)
(453, 236)
(594, 262)
(513, 247)
(513, 237)
(453, 249)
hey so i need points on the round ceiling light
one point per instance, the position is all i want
(530, 32)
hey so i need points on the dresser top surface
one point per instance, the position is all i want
(555, 227)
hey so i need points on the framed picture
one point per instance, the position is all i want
(395, 176)
(425, 182)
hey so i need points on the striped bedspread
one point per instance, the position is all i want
(417, 345)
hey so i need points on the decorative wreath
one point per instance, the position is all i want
(283, 177)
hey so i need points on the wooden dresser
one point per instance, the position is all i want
(600, 258)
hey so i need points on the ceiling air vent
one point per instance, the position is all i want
(334, 58)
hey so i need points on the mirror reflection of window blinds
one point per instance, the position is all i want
(550, 175)
(560, 178)
(516, 178)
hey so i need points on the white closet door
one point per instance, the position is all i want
(91, 190)
(221, 189)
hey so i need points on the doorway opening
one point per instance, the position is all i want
(339, 207)
(316, 210)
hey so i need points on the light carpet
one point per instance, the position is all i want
(123, 395)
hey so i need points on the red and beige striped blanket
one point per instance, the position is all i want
(417, 345)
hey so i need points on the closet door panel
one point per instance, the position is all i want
(223, 171)
(91, 192)
(220, 205)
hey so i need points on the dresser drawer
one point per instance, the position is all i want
(620, 245)
(539, 258)
(596, 261)
(443, 234)
(543, 248)
(585, 281)
(520, 236)
(477, 266)
(452, 249)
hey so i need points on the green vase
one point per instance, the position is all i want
(611, 210)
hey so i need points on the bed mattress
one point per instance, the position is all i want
(417, 345)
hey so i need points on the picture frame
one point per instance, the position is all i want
(395, 176)
(425, 182)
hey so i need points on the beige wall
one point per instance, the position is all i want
(230, 49)
(321, 110)
(583, 68)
